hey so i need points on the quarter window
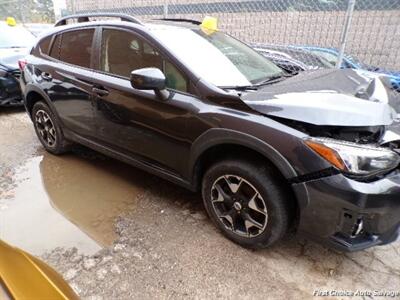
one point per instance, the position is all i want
(122, 52)
(55, 49)
(74, 47)
(44, 45)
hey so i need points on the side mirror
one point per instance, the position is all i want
(150, 79)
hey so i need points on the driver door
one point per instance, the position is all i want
(138, 122)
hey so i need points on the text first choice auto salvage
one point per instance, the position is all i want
(356, 293)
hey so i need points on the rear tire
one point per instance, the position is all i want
(48, 129)
(247, 202)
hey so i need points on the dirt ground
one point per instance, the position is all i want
(115, 232)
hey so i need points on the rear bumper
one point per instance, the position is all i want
(349, 215)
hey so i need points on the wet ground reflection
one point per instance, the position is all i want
(67, 201)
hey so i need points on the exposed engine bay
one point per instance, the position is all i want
(359, 109)
(362, 135)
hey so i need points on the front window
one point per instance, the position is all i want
(122, 52)
(15, 37)
(217, 57)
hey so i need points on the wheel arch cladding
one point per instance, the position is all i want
(218, 137)
(217, 144)
(34, 95)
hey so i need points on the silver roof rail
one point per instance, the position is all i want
(84, 17)
(180, 20)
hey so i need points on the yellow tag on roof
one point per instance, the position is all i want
(209, 25)
(10, 21)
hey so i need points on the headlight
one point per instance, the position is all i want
(354, 158)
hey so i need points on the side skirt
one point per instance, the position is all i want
(140, 164)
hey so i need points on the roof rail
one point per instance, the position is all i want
(85, 18)
(180, 20)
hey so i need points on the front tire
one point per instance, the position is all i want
(247, 202)
(48, 130)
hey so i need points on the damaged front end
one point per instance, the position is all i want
(349, 214)
(361, 204)
(356, 203)
(353, 126)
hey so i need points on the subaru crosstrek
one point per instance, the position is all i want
(317, 153)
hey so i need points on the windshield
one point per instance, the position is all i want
(15, 37)
(217, 57)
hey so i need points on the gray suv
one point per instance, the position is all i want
(316, 153)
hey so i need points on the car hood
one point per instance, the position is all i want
(10, 56)
(328, 97)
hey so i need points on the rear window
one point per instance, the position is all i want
(74, 47)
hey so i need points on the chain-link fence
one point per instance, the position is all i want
(301, 34)
(373, 34)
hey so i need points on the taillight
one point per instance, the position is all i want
(22, 63)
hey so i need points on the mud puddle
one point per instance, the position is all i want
(67, 201)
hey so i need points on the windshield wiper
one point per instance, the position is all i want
(272, 79)
(255, 86)
(239, 87)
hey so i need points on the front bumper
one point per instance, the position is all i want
(350, 215)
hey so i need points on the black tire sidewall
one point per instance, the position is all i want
(269, 188)
(58, 147)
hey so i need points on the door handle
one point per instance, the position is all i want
(100, 91)
(46, 76)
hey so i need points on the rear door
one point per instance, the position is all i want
(67, 79)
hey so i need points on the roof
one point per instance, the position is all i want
(93, 17)
(148, 25)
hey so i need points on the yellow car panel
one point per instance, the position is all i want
(26, 277)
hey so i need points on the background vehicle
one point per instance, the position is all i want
(15, 43)
(331, 55)
(23, 276)
(38, 28)
(10, 93)
(292, 60)
(317, 151)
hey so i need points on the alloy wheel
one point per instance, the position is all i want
(239, 206)
(45, 128)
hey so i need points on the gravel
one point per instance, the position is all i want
(166, 247)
